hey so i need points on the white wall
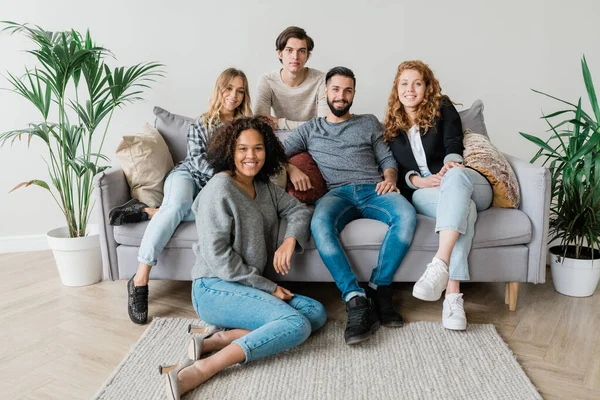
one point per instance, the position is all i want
(495, 51)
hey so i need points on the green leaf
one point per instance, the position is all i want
(538, 142)
(589, 84)
(586, 148)
(552, 97)
(35, 182)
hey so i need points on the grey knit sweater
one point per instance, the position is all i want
(349, 152)
(237, 235)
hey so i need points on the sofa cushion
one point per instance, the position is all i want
(494, 227)
(481, 155)
(131, 235)
(306, 164)
(472, 118)
(174, 129)
(145, 160)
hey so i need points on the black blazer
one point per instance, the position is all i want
(443, 138)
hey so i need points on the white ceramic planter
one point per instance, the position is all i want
(78, 260)
(572, 277)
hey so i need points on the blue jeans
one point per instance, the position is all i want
(276, 325)
(180, 191)
(454, 204)
(344, 204)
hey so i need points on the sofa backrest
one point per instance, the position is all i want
(472, 118)
(174, 128)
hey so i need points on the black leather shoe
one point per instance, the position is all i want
(384, 306)
(128, 213)
(137, 302)
(362, 320)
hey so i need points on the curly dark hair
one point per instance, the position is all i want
(221, 148)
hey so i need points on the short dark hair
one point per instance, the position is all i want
(343, 71)
(221, 148)
(296, 33)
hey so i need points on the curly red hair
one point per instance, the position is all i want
(396, 117)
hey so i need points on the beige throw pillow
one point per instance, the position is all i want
(145, 159)
(481, 155)
(280, 178)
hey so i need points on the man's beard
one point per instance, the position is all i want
(339, 112)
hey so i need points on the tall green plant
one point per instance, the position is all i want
(73, 84)
(572, 154)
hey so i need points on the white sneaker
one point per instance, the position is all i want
(453, 315)
(432, 283)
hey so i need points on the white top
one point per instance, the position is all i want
(416, 145)
(293, 106)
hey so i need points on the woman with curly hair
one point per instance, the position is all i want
(425, 135)
(230, 99)
(237, 215)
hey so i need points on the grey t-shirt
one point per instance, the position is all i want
(237, 235)
(349, 152)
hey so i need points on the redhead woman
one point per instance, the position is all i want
(425, 135)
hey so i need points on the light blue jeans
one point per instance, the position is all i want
(344, 204)
(454, 204)
(180, 190)
(276, 325)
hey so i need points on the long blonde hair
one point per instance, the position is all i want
(212, 116)
(396, 116)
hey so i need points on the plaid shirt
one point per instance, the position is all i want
(197, 142)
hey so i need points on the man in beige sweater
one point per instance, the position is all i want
(295, 93)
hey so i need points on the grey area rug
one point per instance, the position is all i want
(421, 360)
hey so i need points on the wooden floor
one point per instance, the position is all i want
(62, 343)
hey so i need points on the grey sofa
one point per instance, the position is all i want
(509, 244)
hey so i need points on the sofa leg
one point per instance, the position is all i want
(511, 294)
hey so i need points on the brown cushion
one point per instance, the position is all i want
(307, 165)
(145, 159)
(481, 155)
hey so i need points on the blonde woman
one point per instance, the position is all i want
(425, 134)
(230, 99)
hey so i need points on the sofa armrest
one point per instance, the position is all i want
(534, 182)
(111, 190)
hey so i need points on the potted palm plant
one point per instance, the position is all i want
(572, 154)
(76, 93)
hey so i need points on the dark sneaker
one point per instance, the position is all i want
(137, 302)
(384, 306)
(128, 213)
(362, 320)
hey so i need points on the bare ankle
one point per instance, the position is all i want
(190, 378)
(150, 212)
(443, 258)
(142, 276)
(139, 282)
(453, 287)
